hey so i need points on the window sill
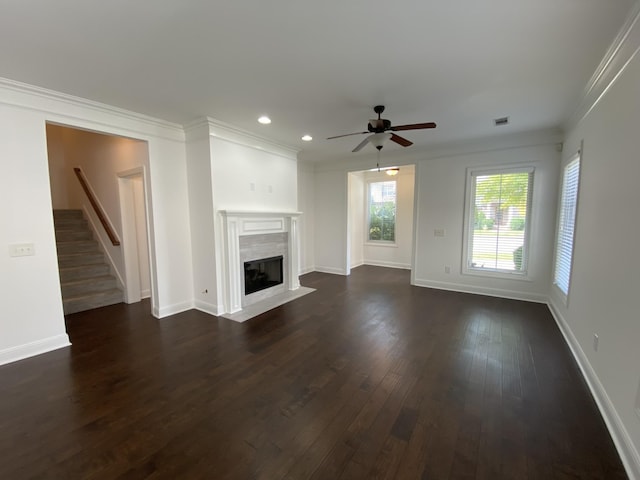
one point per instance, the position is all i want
(381, 244)
(523, 277)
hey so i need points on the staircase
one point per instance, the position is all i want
(84, 275)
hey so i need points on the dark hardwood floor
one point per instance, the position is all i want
(365, 378)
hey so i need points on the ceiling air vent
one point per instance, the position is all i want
(501, 121)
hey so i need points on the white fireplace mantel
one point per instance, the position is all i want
(244, 223)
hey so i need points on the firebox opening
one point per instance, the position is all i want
(261, 274)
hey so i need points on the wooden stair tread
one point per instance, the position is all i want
(96, 279)
(104, 293)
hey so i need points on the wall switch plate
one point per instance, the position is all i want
(22, 250)
(439, 232)
(596, 339)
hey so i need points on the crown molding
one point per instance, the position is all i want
(28, 96)
(225, 131)
(198, 129)
(624, 47)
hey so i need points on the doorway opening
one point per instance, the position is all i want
(101, 178)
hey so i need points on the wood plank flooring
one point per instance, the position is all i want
(366, 378)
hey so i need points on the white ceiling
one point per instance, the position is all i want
(318, 67)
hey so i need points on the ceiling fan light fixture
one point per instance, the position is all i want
(393, 171)
(378, 139)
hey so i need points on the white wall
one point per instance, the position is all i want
(331, 221)
(398, 255)
(440, 205)
(32, 320)
(27, 326)
(206, 297)
(606, 281)
(357, 217)
(170, 230)
(306, 205)
(247, 178)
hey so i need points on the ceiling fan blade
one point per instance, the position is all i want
(413, 126)
(400, 140)
(346, 135)
(361, 144)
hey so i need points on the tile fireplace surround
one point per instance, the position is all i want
(253, 235)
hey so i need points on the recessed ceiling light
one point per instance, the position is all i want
(264, 120)
(307, 138)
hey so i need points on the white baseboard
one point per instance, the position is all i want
(172, 309)
(304, 270)
(628, 453)
(21, 352)
(210, 308)
(332, 270)
(490, 292)
(378, 263)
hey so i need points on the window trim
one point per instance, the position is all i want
(576, 157)
(469, 217)
(380, 243)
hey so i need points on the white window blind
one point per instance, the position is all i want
(566, 224)
(382, 211)
(498, 221)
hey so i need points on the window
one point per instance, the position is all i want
(566, 224)
(382, 212)
(498, 211)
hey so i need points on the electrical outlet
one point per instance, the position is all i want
(447, 269)
(596, 339)
(22, 250)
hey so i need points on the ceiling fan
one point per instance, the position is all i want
(380, 127)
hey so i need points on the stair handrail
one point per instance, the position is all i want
(96, 207)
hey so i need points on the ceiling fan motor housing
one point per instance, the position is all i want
(380, 125)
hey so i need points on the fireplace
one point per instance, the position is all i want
(251, 237)
(262, 274)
